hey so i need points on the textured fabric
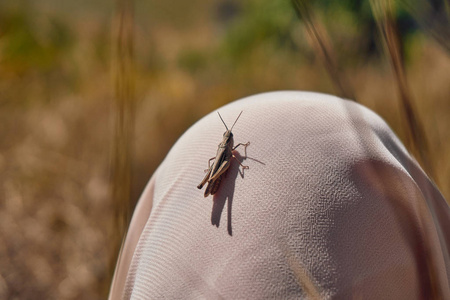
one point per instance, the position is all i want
(332, 206)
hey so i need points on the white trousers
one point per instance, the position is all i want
(331, 207)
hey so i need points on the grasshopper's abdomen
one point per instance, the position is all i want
(213, 186)
(216, 185)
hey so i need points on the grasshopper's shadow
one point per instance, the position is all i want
(226, 191)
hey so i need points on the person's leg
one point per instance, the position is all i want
(332, 206)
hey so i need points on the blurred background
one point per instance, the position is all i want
(94, 93)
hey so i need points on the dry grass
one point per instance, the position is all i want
(57, 224)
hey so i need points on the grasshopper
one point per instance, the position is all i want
(221, 163)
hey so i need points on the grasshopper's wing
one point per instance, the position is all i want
(216, 178)
(223, 167)
(204, 179)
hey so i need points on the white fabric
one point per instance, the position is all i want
(332, 206)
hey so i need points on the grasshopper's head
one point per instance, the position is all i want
(228, 136)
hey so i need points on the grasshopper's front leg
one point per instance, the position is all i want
(241, 144)
(243, 167)
(209, 164)
(245, 147)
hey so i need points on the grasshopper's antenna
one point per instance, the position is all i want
(236, 120)
(224, 122)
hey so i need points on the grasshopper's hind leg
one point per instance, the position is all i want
(205, 180)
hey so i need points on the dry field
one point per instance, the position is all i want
(58, 224)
